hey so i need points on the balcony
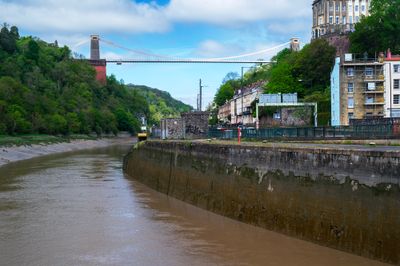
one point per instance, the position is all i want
(378, 102)
(373, 78)
(376, 90)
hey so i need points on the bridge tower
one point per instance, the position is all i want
(295, 44)
(100, 65)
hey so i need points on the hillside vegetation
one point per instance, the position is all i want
(161, 104)
(43, 90)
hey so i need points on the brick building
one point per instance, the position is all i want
(357, 89)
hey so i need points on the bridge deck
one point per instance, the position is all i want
(194, 61)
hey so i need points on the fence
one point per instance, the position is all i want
(343, 132)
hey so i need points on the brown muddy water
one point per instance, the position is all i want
(79, 209)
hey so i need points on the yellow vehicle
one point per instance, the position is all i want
(142, 135)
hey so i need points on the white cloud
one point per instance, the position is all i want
(226, 12)
(70, 22)
(125, 16)
(84, 16)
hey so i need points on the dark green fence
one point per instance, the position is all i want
(344, 132)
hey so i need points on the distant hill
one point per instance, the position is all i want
(161, 103)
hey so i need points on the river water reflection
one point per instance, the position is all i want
(79, 209)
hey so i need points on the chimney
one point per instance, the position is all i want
(389, 54)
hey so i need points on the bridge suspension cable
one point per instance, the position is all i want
(81, 43)
(135, 51)
(169, 59)
(249, 54)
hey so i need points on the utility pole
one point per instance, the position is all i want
(200, 96)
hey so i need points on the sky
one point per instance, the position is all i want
(171, 28)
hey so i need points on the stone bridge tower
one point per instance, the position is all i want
(99, 64)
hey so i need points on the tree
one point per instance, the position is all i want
(43, 91)
(380, 30)
(33, 50)
(7, 40)
(313, 65)
(230, 76)
(224, 93)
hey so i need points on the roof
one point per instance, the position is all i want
(393, 58)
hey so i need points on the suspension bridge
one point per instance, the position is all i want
(147, 57)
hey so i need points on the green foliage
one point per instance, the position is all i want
(304, 72)
(44, 90)
(224, 93)
(323, 98)
(161, 104)
(380, 30)
(282, 79)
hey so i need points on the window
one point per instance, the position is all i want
(369, 71)
(396, 99)
(320, 21)
(350, 72)
(396, 84)
(369, 99)
(357, 19)
(371, 86)
(350, 87)
(330, 20)
(277, 115)
(356, 8)
(344, 20)
(363, 8)
(350, 102)
(351, 19)
(337, 20)
(337, 7)
(344, 7)
(396, 68)
(395, 113)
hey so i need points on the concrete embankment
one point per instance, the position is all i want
(18, 153)
(345, 197)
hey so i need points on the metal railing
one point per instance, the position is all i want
(300, 133)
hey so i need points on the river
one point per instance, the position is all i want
(79, 209)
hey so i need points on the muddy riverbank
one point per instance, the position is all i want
(18, 153)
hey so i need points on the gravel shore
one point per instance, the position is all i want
(18, 153)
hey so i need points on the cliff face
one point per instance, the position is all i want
(339, 198)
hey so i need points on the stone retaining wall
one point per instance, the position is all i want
(349, 200)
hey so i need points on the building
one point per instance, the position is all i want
(392, 86)
(337, 17)
(357, 89)
(243, 102)
(333, 20)
(284, 110)
(224, 113)
(192, 125)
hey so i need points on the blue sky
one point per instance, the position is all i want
(179, 28)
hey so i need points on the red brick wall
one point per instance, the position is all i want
(101, 74)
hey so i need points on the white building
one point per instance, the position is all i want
(392, 86)
(337, 17)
